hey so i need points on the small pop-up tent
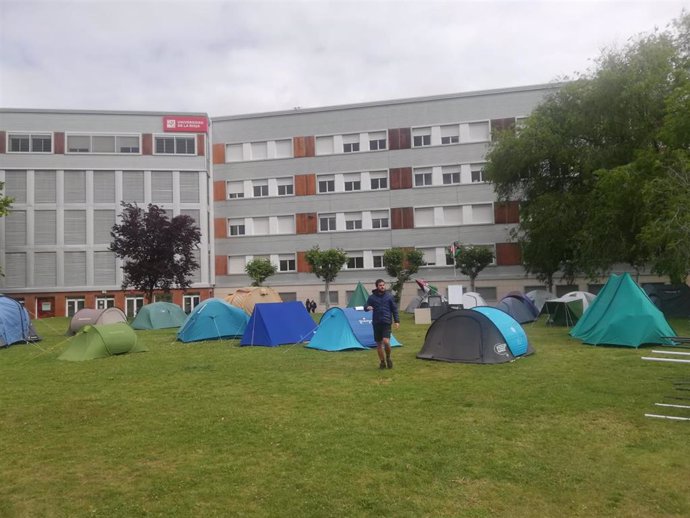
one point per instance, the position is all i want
(479, 335)
(342, 329)
(472, 299)
(359, 297)
(622, 314)
(213, 319)
(101, 341)
(246, 298)
(518, 306)
(159, 315)
(91, 317)
(278, 323)
(539, 297)
(15, 324)
(567, 310)
(672, 299)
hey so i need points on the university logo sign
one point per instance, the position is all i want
(187, 124)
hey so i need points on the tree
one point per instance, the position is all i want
(259, 270)
(158, 253)
(472, 259)
(5, 203)
(402, 264)
(326, 265)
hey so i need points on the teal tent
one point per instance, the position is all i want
(213, 319)
(159, 315)
(623, 314)
(359, 297)
(343, 329)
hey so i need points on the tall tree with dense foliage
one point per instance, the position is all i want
(259, 270)
(158, 253)
(402, 264)
(588, 160)
(5, 203)
(326, 265)
(471, 260)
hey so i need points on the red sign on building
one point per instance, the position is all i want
(185, 124)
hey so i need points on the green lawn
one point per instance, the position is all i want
(212, 429)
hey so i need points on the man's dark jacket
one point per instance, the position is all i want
(385, 309)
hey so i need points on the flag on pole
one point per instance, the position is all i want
(454, 249)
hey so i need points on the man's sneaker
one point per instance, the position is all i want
(389, 362)
(382, 365)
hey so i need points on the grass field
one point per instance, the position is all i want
(212, 429)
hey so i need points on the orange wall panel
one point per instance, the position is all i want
(507, 212)
(147, 144)
(219, 193)
(508, 254)
(221, 265)
(305, 184)
(220, 228)
(59, 143)
(218, 153)
(200, 145)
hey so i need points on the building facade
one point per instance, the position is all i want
(68, 172)
(365, 178)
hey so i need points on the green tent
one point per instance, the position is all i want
(159, 315)
(623, 314)
(562, 312)
(101, 341)
(359, 297)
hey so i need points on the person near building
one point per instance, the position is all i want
(385, 314)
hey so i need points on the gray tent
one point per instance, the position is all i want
(91, 317)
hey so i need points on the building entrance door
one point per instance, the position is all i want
(45, 307)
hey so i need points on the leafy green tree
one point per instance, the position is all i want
(326, 265)
(402, 264)
(471, 260)
(259, 270)
(158, 253)
(5, 204)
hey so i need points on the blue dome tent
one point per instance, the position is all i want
(342, 329)
(278, 323)
(15, 324)
(213, 319)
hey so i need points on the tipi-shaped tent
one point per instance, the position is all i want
(246, 298)
(342, 329)
(359, 297)
(15, 324)
(159, 315)
(101, 341)
(479, 335)
(278, 323)
(623, 314)
(519, 307)
(90, 317)
(213, 319)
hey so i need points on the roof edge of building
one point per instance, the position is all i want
(99, 112)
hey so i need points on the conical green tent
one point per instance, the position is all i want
(359, 297)
(623, 314)
(159, 315)
(101, 341)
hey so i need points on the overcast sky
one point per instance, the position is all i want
(229, 57)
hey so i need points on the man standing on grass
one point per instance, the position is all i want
(385, 313)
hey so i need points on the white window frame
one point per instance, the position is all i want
(427, 176)
(105, 302)
(421, 137)
(235, 194)
(351, 143)
(288, 185)
(376, 143)
(353, 221)
(175, 139)
(74, 303)
(329, 218)
(357, 262)
(30, 136)
(190, 302)
(133, 304)
(260, 186)
(352, 182)
(287, 263)
(380, 220)
(240, 229)
(379, 177)
(328, 181)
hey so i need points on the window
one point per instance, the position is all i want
(350, 143)
(236, 264)
(479, 131)
(450, 260)
(133, 305)
(189, 302)
(175, 145)
(379, 180)
(284, 148)
(450, 134)
(353, 182)
(429, 256)
(105, 302)
(259, 150)
(488, 293)
(477, 172)
(355, 263)
(30, 143)
(452, 215)
(421, 137)
(235, 190)
(285, 187)
(482, 213)
(236, 227)
(103, 144)
(377, 141)
(424, 217)
(451, 175)
(353, 221)
(326, 184)
(378, 259)
(422, 177)
(327, 223)
(285, 224)
(260, 189)
(286, 263)
(234, 153)
(261, 227)
(379, 219)
(73, 305)
(332, 295)
(127, 144)
(324, 145)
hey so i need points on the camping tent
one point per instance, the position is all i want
(213, 319)
(518, 306)
(341, 329)
(567, 310)
(159, 315)
(359, 297)
(246, 298)
(90, 317)
(101, 341)
(672, 299)
(479, 335)
(539, 297)
(622, 314)
(15, 324)
(278, 323)
(472, 299)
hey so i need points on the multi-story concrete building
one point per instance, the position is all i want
(365, 178)
(68, 172)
